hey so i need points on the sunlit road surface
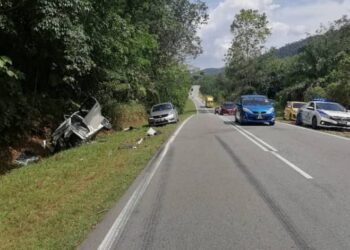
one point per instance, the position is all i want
(223, 186)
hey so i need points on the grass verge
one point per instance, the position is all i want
(55, 203)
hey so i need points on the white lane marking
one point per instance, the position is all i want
(300, 171)
(245, 135)
(258, 139)
(120, 222)
(314, 131)
(253, 138)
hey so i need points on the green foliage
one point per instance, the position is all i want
(250, 32)
(314, 92)
(321, 68)
(173, 86)
(117, 50)
(125, 115)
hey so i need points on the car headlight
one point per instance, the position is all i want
(171, 116)
(270, 111)
(323, 114)
(247, 110)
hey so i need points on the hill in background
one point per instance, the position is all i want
(213, 71)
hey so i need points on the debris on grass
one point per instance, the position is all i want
(151, 132)
(26, 157)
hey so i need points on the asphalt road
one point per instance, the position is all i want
(223, 186)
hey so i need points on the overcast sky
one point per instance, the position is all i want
(290, 21)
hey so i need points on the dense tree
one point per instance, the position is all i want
(318, 68)
(250, 31)
(59, 52)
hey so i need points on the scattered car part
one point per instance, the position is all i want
(151, 132)
(26, 158)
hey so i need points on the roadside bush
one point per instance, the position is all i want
(293, 93)
(314, 92)
(174, 85)
(125, 115)
(339, 92)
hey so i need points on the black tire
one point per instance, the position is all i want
(299, 121)
(314, 123)
(290, 117)
(241, 122)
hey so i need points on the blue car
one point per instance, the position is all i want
(255, 109)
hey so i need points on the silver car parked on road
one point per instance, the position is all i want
(163, 113)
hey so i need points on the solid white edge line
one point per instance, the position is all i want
(125, 214)
(303, 173)
(313, 131)
(258, 139)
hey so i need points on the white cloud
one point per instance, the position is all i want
(289, 23)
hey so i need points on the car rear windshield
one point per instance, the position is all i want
(255, 101)
(162, 107)
(298, 105)
(228, 105)
(330, 106)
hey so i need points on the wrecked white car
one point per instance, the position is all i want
(81, 126)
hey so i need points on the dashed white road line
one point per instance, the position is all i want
(303, 173)
(258, 139)
(267, 148)
(114, 232)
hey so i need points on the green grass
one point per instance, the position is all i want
(55, 203)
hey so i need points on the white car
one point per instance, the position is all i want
(322, 113)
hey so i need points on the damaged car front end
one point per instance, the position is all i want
(80, 127)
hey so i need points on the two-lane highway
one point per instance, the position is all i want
(223, 186)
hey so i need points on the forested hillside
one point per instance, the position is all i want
(321, 68)
(53, 54)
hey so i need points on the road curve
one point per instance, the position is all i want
(223, 186)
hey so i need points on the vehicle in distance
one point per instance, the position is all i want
(227, 108)
(323, 113)
(255, 109)
(163, 113)
(209, 101)
(291, 110)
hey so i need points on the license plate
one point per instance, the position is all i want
(260, 117)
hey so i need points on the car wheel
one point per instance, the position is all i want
(314, 123)
(290, 117)
(299, 121)
(241, 120)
